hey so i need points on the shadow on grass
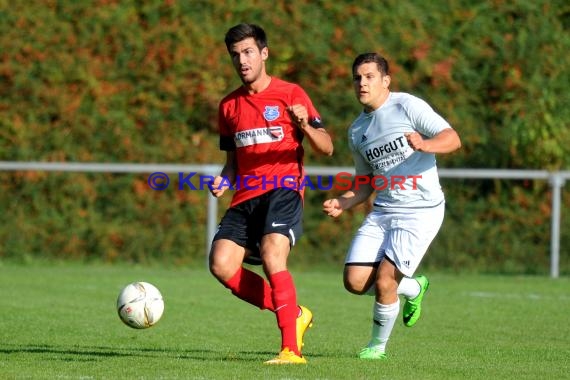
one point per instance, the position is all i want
(78, 353)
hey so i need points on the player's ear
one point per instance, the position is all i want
(386, 81)
(264, 53)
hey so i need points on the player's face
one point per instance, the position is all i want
(248, 60)
(370, 86)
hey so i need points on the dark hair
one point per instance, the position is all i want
(242, 31)
(380, 61)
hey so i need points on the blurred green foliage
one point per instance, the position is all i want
(140, 81)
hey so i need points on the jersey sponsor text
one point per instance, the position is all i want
(258, 136)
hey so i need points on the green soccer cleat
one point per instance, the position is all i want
(371, 353)
(413, 308)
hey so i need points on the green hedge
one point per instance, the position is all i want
(133, 81)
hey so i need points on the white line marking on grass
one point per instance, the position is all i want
(531, 296)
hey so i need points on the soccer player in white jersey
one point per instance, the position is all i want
(393, 143)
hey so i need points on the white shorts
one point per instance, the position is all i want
(401, 237)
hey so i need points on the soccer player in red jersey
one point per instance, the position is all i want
(262, 125)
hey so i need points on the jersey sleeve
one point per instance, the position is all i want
(424, 119)
(227, 142)
(299, 96)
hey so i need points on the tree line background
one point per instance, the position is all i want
(139, 82)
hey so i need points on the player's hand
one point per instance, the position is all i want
(415, 141)
(215, 187)
(332, 207)
(299, 115)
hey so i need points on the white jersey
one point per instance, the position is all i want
(404, 179)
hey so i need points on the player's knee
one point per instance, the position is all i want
(387, 287)
(354, 286)
(217, 270)
(221, 267)
(226, 257)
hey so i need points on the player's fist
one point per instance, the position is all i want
(217, 188)
(415, 141)
(332, 207)
(299, 115)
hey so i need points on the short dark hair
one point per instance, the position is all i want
(242, 31)
(380, 61)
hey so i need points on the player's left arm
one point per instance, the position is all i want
(305, 117)
(445, 141)
(432, 133)
(319, 138)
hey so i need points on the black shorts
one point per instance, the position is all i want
(277, 211)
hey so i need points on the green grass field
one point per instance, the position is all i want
(58, 321)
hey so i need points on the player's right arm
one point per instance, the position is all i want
(227, 176)
(359, 193)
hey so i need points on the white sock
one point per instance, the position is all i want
(409, 288)
(384, 317)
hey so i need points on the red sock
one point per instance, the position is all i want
(252, 288)
(286, 310)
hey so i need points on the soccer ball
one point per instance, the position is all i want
(140, 305)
